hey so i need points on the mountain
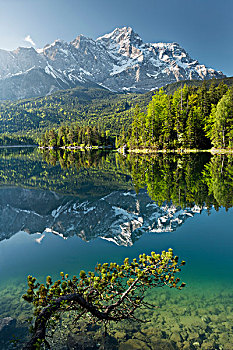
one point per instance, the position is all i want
(118, 61)
(120, 217)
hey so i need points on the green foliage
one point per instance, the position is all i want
(212, 83)
(190, 118)
(180, 116)
(218, 175)
(85, 106)
(74, 135)
(220, 123)
(112, 293)
(16, 139)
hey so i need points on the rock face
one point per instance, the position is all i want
(119, 61)
(120, 217)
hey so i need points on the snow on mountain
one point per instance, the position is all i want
(119, 61)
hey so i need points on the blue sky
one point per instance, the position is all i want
(203, 27)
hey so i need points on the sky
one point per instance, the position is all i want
(204, 28)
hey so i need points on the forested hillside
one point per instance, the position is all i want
(83, 105)
(193, 118)
(184, 111)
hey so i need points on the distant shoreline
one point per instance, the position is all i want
(18, 146)
(73, 148)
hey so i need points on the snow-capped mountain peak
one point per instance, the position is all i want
(123, 41)
(119, 61)
(80, 40)
(122, 36)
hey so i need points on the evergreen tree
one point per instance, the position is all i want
(219, 126)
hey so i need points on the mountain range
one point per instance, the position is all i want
(118, 61)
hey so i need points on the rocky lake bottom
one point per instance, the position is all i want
(201, 318)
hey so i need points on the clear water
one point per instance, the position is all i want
(201, 315)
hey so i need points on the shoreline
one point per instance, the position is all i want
(124, 151)
(179, 151)
(17, 146)
(73, 148)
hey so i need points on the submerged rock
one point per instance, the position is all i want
(7, 332)
(134, 344)
(6, 324)
(91, 341)
(80, 342)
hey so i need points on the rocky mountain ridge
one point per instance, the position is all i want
(118, 61)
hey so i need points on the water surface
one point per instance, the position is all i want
(67, 212)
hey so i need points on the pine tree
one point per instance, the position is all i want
(219, 126)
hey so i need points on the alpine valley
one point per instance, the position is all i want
(113, 148)
(118, 61)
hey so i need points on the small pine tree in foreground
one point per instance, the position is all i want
(112, 293)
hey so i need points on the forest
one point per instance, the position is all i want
(15, 139)
(190, 118)
(74, 135)
(85, 106)
(190, 115)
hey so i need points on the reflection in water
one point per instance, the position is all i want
(177, 187)
(185, 180)
(218, 176)
(120, 217)
(94, 175)
(121, 199)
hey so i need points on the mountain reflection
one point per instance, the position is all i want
(106, 195)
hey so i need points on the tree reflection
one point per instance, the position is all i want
(183, 179)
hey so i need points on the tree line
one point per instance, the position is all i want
(76, 135)
(16, 139)
(191, 118)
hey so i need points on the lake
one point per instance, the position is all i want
(67, 211)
